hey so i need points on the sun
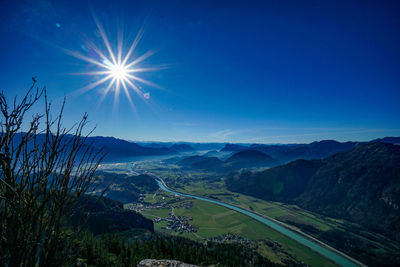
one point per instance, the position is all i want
(115, 68)
(118, 72)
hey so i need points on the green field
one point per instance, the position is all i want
(213, 220)
(279, 211)
(369, 243)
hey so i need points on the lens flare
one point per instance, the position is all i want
(118, 69)
(118, 72)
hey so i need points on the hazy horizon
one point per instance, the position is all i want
(241, 143)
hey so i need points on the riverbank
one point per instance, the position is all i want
(291, 232)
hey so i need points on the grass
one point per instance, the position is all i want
(156, 213)
(213, 220)
(275, 210)
(291, 214)
(159, 196)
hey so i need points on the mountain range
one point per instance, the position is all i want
(122, 150)
(182, 147)
(242, 159)
(118, 149)
(114, 149)
(314, 150)
(361, 185)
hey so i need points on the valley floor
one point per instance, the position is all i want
(211, 221)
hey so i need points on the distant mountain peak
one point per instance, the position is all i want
(251, 157)
(182, 147)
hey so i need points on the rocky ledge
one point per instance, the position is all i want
(163, 263)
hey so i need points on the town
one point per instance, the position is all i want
(177, 223)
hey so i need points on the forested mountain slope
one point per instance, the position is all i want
(361, 185)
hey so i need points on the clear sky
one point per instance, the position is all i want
(237, 71)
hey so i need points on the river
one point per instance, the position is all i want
(330, 253)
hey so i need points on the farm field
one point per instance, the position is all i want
(276, 210)
(212, 220)
(345, 236)
(311, 223)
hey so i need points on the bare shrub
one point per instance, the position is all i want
(44, 171)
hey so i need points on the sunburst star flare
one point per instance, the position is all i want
(117, 70)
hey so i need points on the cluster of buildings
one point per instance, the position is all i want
(177, 223)
(142, 205)
(139, 207)
(232, 238)
(141, 197)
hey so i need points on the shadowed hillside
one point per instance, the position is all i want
(239, 160)
(361, 185)
(251, 158)
(125, 188)
(107, 215)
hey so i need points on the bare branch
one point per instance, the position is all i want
(43, 173)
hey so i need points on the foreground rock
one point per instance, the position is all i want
(163, 263)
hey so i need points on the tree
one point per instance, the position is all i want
(44, 171)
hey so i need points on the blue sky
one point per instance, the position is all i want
(238, 71)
